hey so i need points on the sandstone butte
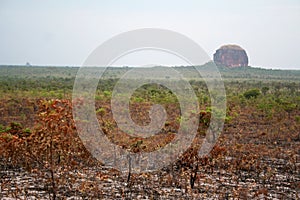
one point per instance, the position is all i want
(231, 56)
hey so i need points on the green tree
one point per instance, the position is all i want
(252, 93)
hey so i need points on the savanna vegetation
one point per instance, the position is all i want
(256, 156)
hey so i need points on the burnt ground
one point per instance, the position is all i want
(255, 158)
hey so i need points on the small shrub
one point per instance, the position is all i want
(297, 119)
(101, 111)
(264, 90)
(253, 93)
(2, 128)
(107, 93)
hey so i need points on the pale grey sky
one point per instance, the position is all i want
(49, 32)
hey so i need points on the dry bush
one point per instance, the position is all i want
(52, 150)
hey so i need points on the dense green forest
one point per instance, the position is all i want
(45, 80)
(115, 72)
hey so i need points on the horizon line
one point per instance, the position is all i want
(138, 66)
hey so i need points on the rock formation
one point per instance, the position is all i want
(231, 56)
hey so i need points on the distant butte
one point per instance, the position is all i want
(231, 56)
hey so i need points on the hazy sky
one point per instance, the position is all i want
(49, 32)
